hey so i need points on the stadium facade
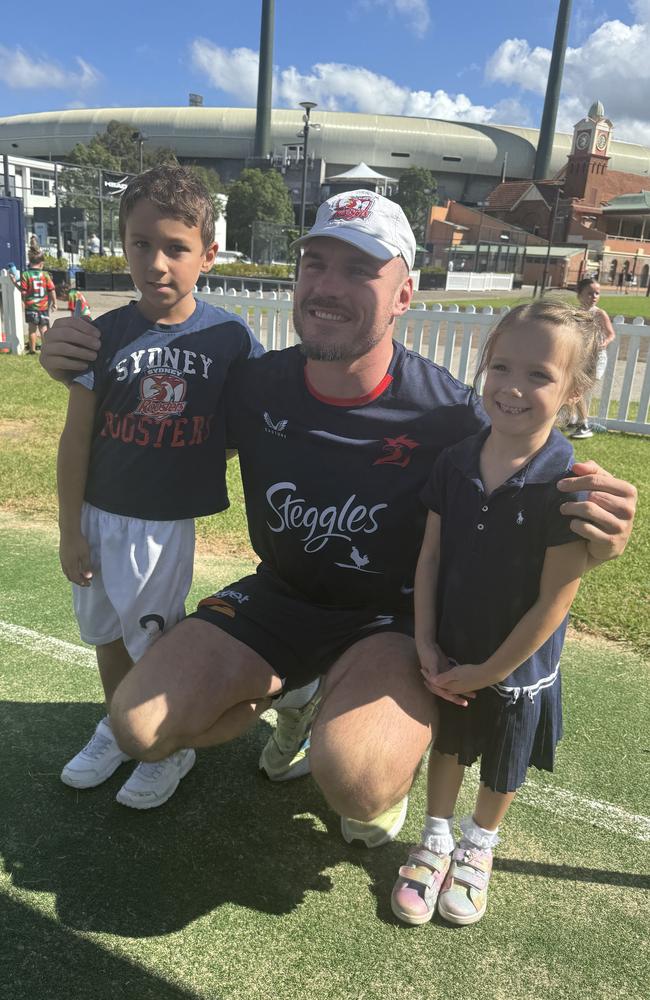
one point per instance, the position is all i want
(468, 160)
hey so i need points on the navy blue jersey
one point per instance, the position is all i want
(492, 551)
(158, 448)
(332, 486)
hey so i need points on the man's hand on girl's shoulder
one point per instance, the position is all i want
(606, 517)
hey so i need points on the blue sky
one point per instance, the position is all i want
(474, 61)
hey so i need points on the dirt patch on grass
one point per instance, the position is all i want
(594, 639)
(12, 519)
(16, 431)
(219, 548)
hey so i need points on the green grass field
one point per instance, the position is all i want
(238, 889)
(616, 305)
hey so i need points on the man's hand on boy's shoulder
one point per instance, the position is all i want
(70, 346)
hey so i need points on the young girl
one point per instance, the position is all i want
(497, 572)
(588, 292)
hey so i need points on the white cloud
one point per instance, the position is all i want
(231, 70)
(611, 65)
(641, 9)
(413, 14)
(21, 71)
(514, 62)
(334, 87)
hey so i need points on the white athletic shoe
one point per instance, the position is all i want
(98, 760)
(151, 785)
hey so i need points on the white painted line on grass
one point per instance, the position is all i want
(558, 801)
(65, 652)
(569, 805)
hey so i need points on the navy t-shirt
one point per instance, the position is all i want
(159, 434)
(492, 551)
(332, 487)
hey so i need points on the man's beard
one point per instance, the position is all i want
(336, 352)
(328, 351)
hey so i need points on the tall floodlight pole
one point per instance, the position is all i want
(57, 202)
(551, 101)
(265, 82)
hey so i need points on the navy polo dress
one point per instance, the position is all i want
(491, 558)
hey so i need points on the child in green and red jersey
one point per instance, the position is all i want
(75, 296)
(37, 290)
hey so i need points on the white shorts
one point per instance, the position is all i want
(142, 573)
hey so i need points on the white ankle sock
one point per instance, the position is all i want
(438, 834)
(297, 698)
(477, 836)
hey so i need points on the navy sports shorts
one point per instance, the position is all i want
(36, 318)
(298, 639)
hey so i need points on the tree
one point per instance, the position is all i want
(117, 150)
(256, 195)
(416, 195)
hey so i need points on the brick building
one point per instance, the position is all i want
(605, 212)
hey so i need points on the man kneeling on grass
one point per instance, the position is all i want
(336, 438)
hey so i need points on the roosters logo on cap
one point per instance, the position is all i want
(347, 209)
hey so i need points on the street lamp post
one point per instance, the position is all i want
(140, 139)
(558, 194)
(480, 205)
(308, 107)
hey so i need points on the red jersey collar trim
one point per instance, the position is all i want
(355, 401)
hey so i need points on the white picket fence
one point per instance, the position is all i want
(478, 281)
(11, 315)
(455, 340)
(448, 336)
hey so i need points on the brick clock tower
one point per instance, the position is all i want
(589, 155)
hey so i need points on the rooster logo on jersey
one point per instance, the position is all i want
(162, 395)
(398, 451)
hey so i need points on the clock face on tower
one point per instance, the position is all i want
(601, 142)
(582, 140)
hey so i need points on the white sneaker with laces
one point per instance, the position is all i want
(151, 785)
(286, 754)
(98, 760)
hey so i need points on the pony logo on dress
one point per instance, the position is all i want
(520, 517)
(348, 208)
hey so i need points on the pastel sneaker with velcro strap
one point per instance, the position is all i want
(416, 891)
(463, 898)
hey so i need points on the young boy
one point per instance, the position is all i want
(143, 453)
(39, 296)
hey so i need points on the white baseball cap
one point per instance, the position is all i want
(369, 222)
